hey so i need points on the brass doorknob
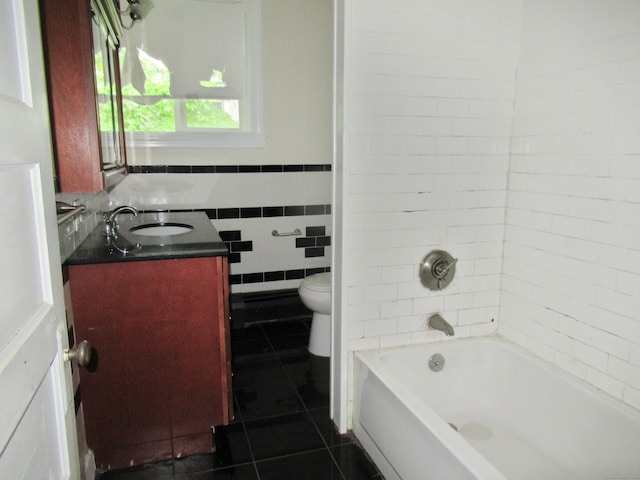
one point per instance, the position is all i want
(80, 354)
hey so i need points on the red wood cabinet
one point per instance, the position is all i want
(69, 64)
(160, 330)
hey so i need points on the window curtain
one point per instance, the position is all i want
(192, 38)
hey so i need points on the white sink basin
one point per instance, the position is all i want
(161, 229)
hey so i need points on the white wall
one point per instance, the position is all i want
(297, 65)
(429, 97)
(572, 252)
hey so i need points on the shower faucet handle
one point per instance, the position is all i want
(437, 269)
(440, 269)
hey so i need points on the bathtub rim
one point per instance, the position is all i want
(468, 456)
(475, 462)
(370, 358)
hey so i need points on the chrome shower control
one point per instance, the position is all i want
(437, 269)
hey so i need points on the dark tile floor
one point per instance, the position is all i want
(282, 428)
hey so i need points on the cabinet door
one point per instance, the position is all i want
(68, 37)
(161, 380)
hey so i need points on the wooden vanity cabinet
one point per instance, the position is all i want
(160, 332)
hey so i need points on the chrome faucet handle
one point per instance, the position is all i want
(441, 269)
(110, 218)
(122, 209)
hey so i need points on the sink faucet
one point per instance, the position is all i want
(110, 219)
(436, 322)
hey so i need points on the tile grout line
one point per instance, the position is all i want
(310, 417)
(241, 420)
(246, 437)
(274, 353)
(306, 411)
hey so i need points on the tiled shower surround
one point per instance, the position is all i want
(508, 133)
(247, 204)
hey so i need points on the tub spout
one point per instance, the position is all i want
(436, 322)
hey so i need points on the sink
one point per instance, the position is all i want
(163, 229)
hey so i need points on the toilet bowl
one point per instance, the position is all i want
(315, 293)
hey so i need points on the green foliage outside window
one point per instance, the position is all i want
(157, 113)
(156, 110)
(205, 113)
(105, 108)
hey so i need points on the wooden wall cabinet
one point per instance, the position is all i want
(68, 31)
(160, 329)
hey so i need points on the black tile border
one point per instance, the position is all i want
(227, 213)
(229, 168)
(314, 241)
(273, 211)
(242, 246)
(313, 252)
(275, 276)
(235, 245)
(230, 235)
(251, 212)
(316, 231)
(304, 242)
(258, 212)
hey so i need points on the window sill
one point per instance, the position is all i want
(195, 140)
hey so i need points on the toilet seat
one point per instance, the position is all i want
(320, 282)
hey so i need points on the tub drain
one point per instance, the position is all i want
(453, 425)
(436, 362)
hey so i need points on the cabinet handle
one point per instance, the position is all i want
(80, 354)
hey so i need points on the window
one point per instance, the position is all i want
(191, 75)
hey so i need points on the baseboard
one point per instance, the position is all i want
(267, 306)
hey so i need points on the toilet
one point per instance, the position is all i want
(315, 293)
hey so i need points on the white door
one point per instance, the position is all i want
(37, 418)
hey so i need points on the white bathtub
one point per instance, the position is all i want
(517, 417)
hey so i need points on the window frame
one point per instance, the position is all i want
(254, 137)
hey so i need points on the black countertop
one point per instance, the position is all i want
(200, 241)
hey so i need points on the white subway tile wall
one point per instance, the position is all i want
(571, 278)
(223, 190)
(72, 232)
(430, 89)
(508, 133)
